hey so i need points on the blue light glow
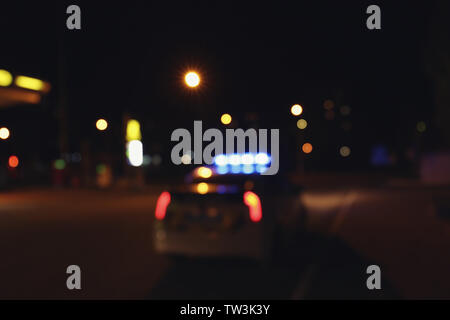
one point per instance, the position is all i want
(261, 169)
(248, 169)
(236, 169)
(220, 160)
(247, 158)
(246, 163)
(262, 159)
(234, 159)
(222, 169)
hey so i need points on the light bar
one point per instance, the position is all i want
(246, 163)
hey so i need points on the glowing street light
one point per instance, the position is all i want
(296, 110)
(4, 133)
(226, 119)
(101, 124)
(192, 79)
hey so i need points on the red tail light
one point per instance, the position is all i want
(253, 203)
(161, 205)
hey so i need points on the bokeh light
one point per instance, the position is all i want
(29, 83)
(221, 160)
(307, 147)
(296, 109)
(135, 153)
(262, 158)
(133, 130)
(202, 188)
(302, 124)
(204, 172)
(226, 119)
(5, 78)
(234, 160)
(247, 159)
(345, 151)
(4, 133)
(59, 164)
(186, 159)
(421, 126)
(147, 160)
(13, 162)
(101, 124)
(192, 79)
(156, 160)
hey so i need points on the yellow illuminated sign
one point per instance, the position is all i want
(133, 130)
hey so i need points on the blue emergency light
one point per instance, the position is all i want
(246, 163)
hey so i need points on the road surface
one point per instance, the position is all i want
(107, 234)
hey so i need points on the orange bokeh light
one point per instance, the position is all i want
(307, 147)
(13, 161)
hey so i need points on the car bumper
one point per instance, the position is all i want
(247, 242)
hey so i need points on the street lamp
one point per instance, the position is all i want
(101, 124)
(296, 110)
(4, 133)
(192, 79)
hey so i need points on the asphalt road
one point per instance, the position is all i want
(107, 234)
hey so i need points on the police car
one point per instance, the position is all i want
(227, 209)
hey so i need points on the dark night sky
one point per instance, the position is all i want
(259, 57)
